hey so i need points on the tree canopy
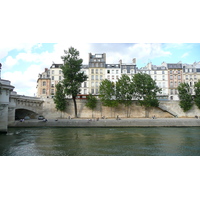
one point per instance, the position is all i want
(197, 94)
(72, 75)
(186, 101)
(59, 98)
(107, 93)
(145, 90)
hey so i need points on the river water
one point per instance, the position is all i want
(101, 142)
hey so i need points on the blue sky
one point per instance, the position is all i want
(22, 62)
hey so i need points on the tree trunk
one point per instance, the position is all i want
(75, 107)
(147, 112)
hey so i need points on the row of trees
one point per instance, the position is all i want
(141, 87)
(186, 98)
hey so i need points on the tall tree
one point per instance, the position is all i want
(107, 93)
(72, 75)
(124, 91)
(91, 102)
(59, 98)
(197, 94)
(186, 101)
(145, 91)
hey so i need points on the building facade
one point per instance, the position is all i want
(167, 76)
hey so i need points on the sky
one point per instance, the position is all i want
(22, 62)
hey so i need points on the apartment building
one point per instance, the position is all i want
(56, 76)
(97, 65)
(44, 84)
(175, 77)
(191, 75)
(113, 72)
(128, 69)
(160, 75)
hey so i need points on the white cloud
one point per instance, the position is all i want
(10, 61)
(24, 82)
(184, 55)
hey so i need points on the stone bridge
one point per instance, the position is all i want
(14, 106)
(21, 106)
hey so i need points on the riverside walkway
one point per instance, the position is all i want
(124, 122)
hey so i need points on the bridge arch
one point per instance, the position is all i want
(21, 113)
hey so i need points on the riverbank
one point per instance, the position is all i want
(124, 122)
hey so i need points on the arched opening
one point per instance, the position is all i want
(22, 113)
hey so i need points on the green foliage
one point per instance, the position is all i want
(145, 90)
(91, 102)
(186, 101)
(124, 90)
(107, 93)
(72, 75)
(59, 98)
(197, 94)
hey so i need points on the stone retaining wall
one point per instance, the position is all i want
(135, 111)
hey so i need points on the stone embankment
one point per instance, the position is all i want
(124, 122)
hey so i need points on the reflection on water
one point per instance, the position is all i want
(101, 142)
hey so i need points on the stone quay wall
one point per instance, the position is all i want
(134, 111)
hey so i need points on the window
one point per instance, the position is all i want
(43, 91)
(117, 71)
(113, 77)
(44, 83)
(52, 91)
(92, 71)
(155, 72)
(52, 78)
(92, 77)
(163, 77)
(101, 71)
(92, 84)
(97, 84)
(171, 77)
(96, 77)
(108, 71)
(85, 91)
(96, 71)
(170, 71)
(52, 71)
(179, 77)
(108, 77)
(98, 56)
(60, 71)
(85, 84)
(97, 64)
(59, 78)
(92, 91)
(101, 77)
(163, 72)
(113, 71)
(154, 77)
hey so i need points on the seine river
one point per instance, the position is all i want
(101, 142)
